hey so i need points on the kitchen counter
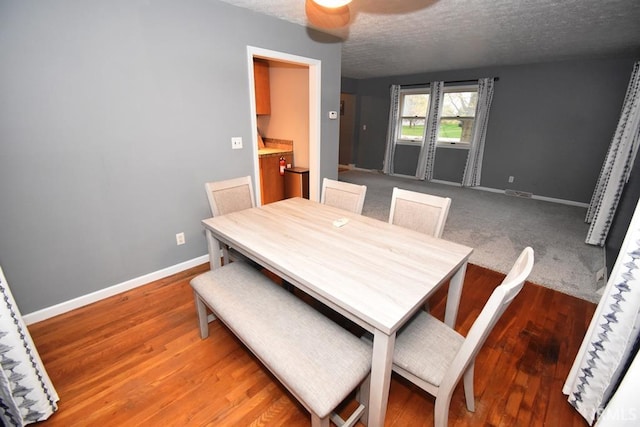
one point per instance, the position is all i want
(275, 147)
(269, 152)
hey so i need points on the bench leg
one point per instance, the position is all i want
(362, 396)
(360, 413)
(319, 422)
(202, 316)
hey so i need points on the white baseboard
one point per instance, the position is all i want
(81, 301)
(349, 166)
(453, 184)
(352, 166)
(533, 196)
(561, 201)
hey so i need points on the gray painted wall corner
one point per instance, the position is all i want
(113, 116)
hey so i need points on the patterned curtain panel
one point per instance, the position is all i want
(608, 345)
(387, 166)
(427, 154)
(623, 410)
(617, 165)
(26, 392)
(473, 169)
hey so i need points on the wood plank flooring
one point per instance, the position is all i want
(136, 359)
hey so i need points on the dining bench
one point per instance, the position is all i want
(317, 360)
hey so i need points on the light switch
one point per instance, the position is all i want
(333, 115)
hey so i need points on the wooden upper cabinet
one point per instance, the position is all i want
(263, 92)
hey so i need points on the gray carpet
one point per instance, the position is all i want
(498, 227)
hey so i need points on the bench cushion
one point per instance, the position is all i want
(316, 359)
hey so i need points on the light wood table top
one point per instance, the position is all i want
(376, 274)
(376, 271)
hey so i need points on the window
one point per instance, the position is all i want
(413, 111)
(457, 115)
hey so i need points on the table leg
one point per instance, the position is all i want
(453, 297)
(214, 250)
(381, 363)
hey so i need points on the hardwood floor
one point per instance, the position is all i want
(137, 359)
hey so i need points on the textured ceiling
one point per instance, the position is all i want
(395, 37)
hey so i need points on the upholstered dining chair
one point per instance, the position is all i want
(419, 211)
(343, 195)
(230, 196)
(433, 356)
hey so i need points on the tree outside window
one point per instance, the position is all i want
(458, 115)
(414, 108)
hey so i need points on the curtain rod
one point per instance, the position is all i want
(495, 79)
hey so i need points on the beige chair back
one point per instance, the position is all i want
(343, 195)
(420, 212)
(435, 357)
(498, 302)
(230, 196)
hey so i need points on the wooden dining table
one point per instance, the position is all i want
(376, 274)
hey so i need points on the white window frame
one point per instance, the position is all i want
(424, 90)
(452, 89)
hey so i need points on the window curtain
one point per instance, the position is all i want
(617, 165)
(427, 155)
(473, 168)
(26, 392)
(609, 344)
(387, 166)
(623, 410)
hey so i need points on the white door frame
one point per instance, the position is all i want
(314, 114)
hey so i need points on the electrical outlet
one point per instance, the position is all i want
(180, 239)
(510, 179)
(236, 142)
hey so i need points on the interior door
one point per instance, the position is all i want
(347, 128)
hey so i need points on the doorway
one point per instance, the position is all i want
(314, 86)
(347, 128)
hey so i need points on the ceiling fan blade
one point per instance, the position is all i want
(325, 17)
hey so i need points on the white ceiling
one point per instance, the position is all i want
(395, 37)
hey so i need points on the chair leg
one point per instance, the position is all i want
(202, 316)
(225, 254)
(468, 387)
(441, 412)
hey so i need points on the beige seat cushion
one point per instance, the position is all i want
(415, 352)
(316, 359)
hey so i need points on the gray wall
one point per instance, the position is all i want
(113, 114)
(550, 124)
